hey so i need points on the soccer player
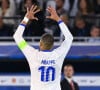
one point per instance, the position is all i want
(45, 64)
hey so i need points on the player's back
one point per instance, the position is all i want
(45, 69)
(45, 66)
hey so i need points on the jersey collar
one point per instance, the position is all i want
(46, 50)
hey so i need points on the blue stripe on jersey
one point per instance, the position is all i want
(23, 25)
(46, 50)
(60, 21)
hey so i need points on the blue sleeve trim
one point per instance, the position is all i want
(23, 25)
(60, 21)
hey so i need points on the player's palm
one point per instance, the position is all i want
(31, 12)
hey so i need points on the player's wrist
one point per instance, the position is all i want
(26, 20)
(57, 19)
(60, 21)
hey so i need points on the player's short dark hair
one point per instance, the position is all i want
(48, 41)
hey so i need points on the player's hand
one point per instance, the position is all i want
(31, 12)
(54, 15)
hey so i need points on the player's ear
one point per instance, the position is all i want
(41, 44)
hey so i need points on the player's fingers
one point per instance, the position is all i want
(38, 10)
(27, 9)
(48, 10)
(33, 9)
(35, 18)
(52, 10)
(48, 17)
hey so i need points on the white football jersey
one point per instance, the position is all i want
(45, 66)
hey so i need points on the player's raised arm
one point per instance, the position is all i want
(18, 36)
(63, 27)
(64, 48)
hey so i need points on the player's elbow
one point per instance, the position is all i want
(71, 37)
(14, 36)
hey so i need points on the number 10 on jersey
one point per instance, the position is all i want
(47, 73)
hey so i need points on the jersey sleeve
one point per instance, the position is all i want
(66, 44)
(22, 44)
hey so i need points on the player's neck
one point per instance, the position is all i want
(45, 50)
